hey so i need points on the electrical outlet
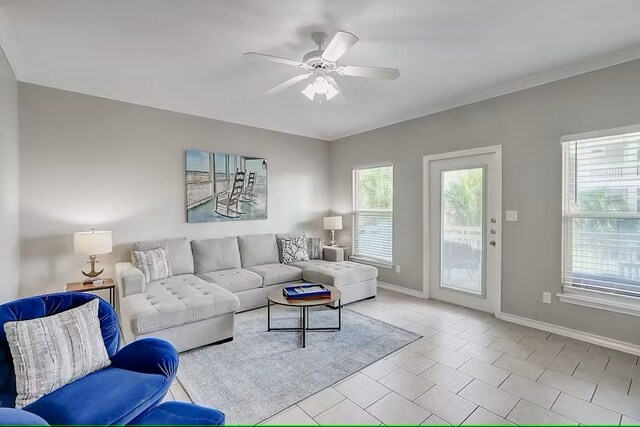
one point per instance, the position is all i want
(512, 215)
(396, 268)
(546, 297)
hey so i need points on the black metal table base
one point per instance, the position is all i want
(112, 296)
(304, 322)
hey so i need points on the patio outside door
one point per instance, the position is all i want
(462, 222)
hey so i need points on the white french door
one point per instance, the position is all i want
(462, 227)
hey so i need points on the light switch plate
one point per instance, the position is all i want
(546, 297)
(512, 215)
(396, 268)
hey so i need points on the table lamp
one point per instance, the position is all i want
(92, 243)
(333, 223)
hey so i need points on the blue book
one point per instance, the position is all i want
(306, 292)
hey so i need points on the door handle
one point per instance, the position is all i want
(492, 243)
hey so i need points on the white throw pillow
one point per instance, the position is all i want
(294, 250)
(50, 352)
(154, 263)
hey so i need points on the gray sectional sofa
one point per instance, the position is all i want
(213, 279)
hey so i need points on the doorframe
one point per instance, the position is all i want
(426, 212)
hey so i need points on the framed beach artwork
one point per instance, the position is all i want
(225, 187)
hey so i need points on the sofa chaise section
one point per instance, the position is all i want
(183, 309)
(355, 281)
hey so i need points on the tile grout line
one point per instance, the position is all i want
(472, 412)
(576, 368)
(505, 380)
(313, 418)
(555, 400)
(514, 407)
(541, 373)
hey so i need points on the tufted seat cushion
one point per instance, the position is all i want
(274, 274)
(234, 280)
(335, 273)
(175, 301)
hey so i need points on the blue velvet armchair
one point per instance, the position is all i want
(126, 391)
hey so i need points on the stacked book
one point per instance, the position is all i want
(302, 292)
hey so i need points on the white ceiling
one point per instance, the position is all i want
(186, 56)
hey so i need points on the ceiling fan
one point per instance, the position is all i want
(320, 66)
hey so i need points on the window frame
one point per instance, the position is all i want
(603, 300)
(355, 256)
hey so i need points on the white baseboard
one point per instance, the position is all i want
(400, 289)
(572, 333)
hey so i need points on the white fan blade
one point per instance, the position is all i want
(339, 45)
(273, 59)
(369, 72)
(285, 84)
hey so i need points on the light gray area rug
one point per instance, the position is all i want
(261, 373)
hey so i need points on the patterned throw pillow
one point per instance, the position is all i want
(294, 250)
(314, 247)
(154, 263)
(50, 352)
(280, 238)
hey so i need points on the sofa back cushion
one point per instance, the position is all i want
(178, 249)
(258, 249)
(215, 254)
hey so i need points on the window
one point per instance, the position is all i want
(373, 214)
(601, 221)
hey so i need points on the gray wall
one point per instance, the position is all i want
(9, 268)
(90, 162)
(529, 125)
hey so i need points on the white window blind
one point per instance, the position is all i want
(601, 215)
(373, 213)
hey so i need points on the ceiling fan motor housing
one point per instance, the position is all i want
(314, 60)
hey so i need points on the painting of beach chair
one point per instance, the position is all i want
(225, 187)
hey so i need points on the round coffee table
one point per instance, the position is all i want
(275, 296)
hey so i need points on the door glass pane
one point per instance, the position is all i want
(462, 234)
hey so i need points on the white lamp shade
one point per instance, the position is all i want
(92, 242)
(333, 223)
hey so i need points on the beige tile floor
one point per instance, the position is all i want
(471, 368)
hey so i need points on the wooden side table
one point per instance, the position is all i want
(81, 287)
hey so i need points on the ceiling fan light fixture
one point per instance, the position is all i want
(320, 86)
(309, 91)
(331, 92)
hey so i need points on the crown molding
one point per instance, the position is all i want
(8, 46)
(594, 64)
